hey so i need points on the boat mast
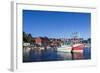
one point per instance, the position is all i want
(74, 37)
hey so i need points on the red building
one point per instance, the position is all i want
(38, 40)
(42, 41)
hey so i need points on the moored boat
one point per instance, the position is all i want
(78, 48)
(64, 49)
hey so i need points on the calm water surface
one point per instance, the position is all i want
(52, 55)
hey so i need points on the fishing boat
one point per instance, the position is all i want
(64, 48)
(78, 47)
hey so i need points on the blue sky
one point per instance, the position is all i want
(56, 24)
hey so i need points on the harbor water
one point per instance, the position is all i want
(53, 55)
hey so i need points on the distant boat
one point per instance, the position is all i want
(78, 48)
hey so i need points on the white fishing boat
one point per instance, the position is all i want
(64, 48)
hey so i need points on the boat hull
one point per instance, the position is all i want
(64, 49)
(78, 48)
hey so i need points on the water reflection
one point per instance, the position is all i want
(65, 56)
(76, 56)
(32, 55)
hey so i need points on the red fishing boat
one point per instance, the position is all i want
(78, 48)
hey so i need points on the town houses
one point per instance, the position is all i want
(44, 42)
